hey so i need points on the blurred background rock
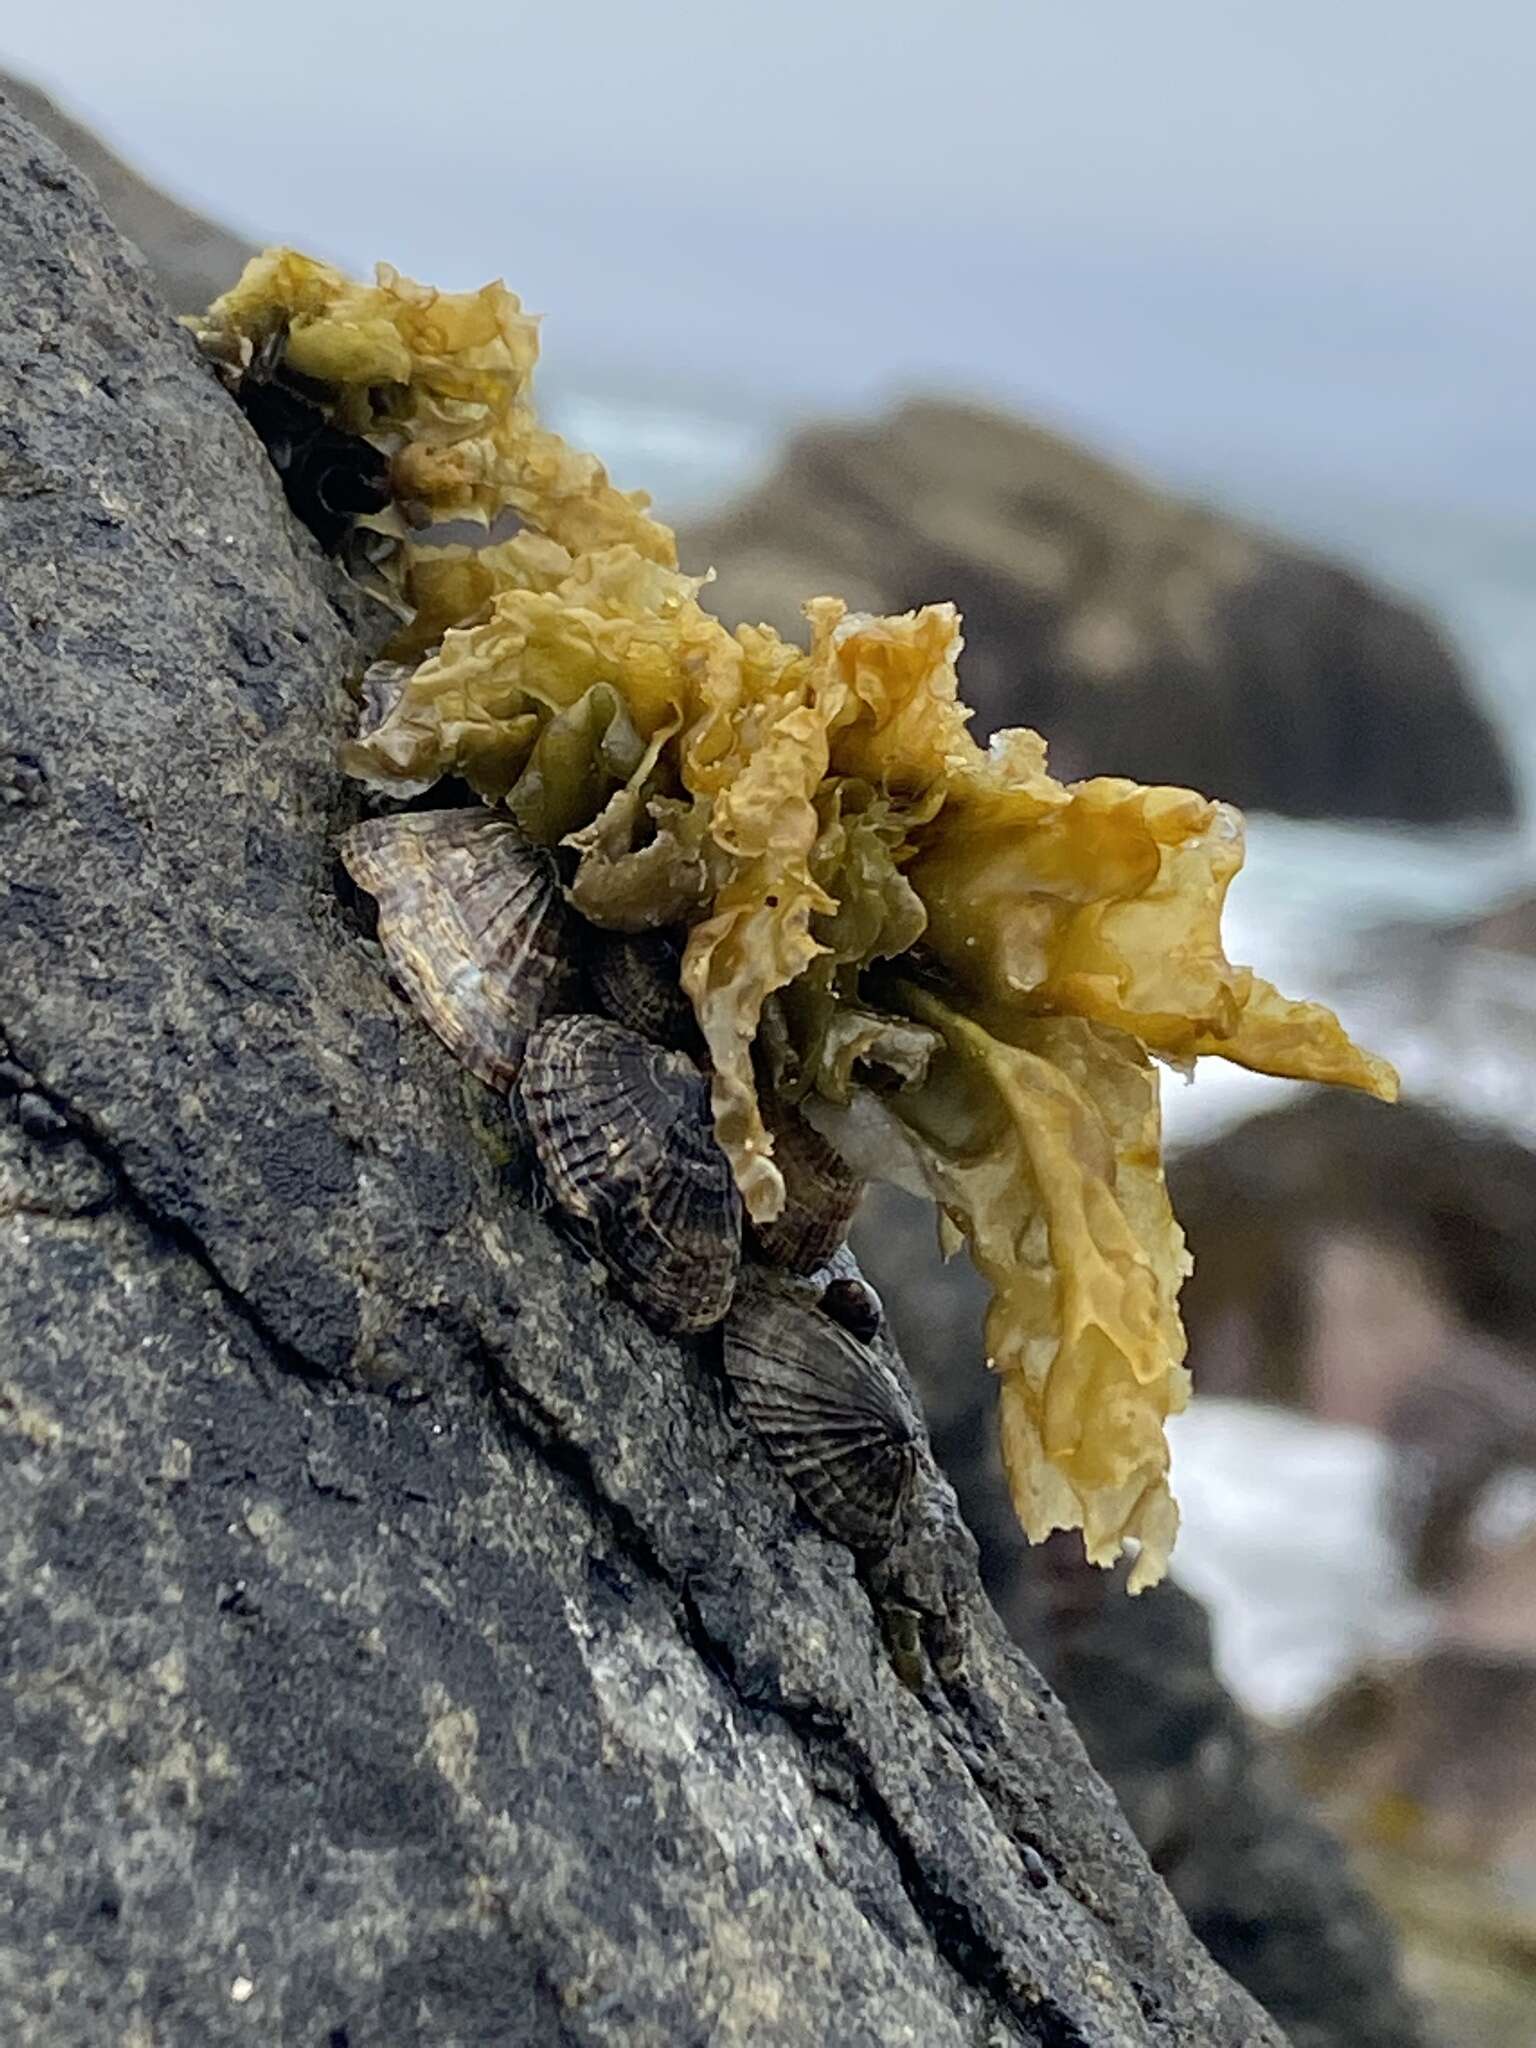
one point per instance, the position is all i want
(1188, 352)
(1127, 624)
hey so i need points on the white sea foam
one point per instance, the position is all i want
(1284, 1537)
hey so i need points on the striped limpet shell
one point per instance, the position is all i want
(475, 926)
(635, 978)
(828, 1410)
(821, 1194)
(626, 1145)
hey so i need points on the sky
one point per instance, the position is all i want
(1209, 233)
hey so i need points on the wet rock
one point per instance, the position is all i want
(403, 1642)
(1332, 1201)
(1144, 635)
(1264, 1884)
(1430, 1771)
(1399, 1248)
(1510, 927)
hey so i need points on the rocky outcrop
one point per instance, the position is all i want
(1143, 635)
(403, 1643)
(1438, 1218)
(1263, 1883)
(1376, 1270)
(193, 259)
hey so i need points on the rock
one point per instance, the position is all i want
(403, 1643)
(1431, 1772)
(193, 259)
(1335, 1200)
(1264, 1884)
(1509, 927)
(1376, 1269)
(1143, 635)
(1213, 1803)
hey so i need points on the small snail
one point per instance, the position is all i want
(854, 1304)
(624, 1136)
(828, 1410)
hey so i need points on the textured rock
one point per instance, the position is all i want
(1267, 1204)
(403, 1644)
(1145, 636)
(1263, 1883)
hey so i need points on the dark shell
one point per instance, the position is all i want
(854, 1304)
(626, 1142)
(474, 925)
(821, 1194)
(828, 1411)
(636, 982)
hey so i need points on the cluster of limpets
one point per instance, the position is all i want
(589, 1036)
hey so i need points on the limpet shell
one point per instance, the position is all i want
(821, 1194)
(635, 977)
(474, 925)
(624, 1137)
(827, 1409)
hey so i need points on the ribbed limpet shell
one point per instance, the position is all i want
(828, 1410)
(624, 1137)
(473, 922)
(821, 1194)
(635, 977)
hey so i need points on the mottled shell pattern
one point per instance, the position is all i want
(475, 926)
(828, 1410)
(624, 1136)
(635, 978)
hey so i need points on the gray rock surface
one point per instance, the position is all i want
(402, 1643)
(1262, 1881)
(1144, 635)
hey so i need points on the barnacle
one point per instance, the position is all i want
(956, 967)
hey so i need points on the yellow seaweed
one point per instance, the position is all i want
(884, 919)
(1043, 1148)
(1104, 900)
(443, 381)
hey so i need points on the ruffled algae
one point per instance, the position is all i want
(960, 968)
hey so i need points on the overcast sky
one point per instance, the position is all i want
(1199, 228)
